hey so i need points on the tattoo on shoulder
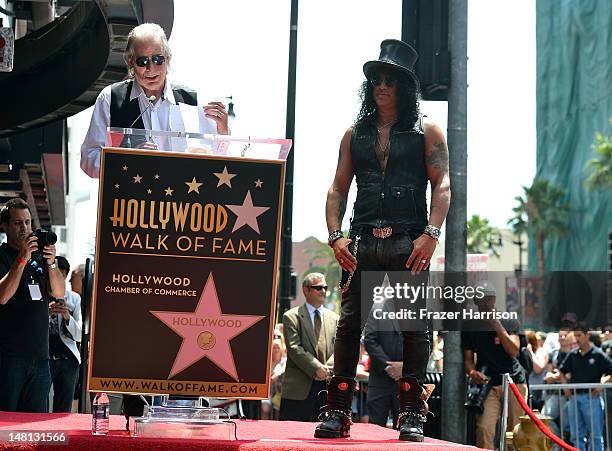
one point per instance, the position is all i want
(438, 157)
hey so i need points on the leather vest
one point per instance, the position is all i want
(123, 111)
(396, 196)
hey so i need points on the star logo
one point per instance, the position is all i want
(206, 332)
(125, 168)
(156, 176)
(169, 191)
(224, 177)
(193, 186)
(137, 179)
(149, 191)
(247, 213)
(116, 186)
(258, 183)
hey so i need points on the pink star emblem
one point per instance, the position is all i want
(247, 213)
(206, 332)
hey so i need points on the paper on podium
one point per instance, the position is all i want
(189, 118)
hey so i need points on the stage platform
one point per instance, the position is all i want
(252, 435)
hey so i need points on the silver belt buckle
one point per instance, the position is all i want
(382, 232)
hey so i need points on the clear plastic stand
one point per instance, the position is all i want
(222, 145)
(183, 418)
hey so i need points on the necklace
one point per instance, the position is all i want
(380, 128)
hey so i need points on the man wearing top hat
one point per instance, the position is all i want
(393, 155)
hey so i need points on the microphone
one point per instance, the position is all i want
(151, 100)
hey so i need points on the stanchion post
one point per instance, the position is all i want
(575, 410)
(503, 424)
(605, 398)
(591, 435)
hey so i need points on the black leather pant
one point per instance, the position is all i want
(374, 254)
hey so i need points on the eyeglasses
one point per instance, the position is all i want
(319, 287)
(387, 80)
(143, 61)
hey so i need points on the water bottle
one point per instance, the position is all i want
(100, 410)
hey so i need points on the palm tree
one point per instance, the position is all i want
(542, 212)
(482, 237)
(600, 167)
(322, 260)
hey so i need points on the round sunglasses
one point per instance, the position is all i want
(388, 80)
(143, 61)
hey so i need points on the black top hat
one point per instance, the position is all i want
(394, 54)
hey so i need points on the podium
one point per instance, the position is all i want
(187, 255)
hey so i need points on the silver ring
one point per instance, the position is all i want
(423, 260)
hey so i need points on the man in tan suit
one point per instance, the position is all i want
(309, 336)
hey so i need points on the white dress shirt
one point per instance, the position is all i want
(311, 311)
(157, 117)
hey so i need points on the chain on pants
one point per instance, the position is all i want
(375, 254)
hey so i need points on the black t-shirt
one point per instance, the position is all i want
(587, 368)
(24, 323)
(491, 355)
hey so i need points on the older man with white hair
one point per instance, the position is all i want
(144, 99)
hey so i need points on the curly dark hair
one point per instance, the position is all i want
(408, 96)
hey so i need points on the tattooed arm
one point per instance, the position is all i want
(436, 162)
(336, 202)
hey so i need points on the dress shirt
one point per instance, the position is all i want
(311, 311)
(157, 117)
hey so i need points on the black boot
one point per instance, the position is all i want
(413, 408)
(336, 414)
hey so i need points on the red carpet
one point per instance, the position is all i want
(252, 435)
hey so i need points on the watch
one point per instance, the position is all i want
(432, 231)
(52, 265)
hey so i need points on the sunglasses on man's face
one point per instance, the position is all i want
(143, 61)
(389, 81)
(319, 287)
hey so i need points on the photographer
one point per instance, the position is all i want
(487, 356)
(64, 332)
(28, 276)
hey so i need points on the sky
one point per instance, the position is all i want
(240, 48)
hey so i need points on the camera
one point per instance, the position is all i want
(476, 394)
(45, 238)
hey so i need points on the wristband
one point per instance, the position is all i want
(334, 236)
(21, 261)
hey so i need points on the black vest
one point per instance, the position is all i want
(397, 196)
(123, 111)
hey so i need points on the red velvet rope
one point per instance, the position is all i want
(539, 422)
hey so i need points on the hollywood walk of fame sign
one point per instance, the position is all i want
(185, 280)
